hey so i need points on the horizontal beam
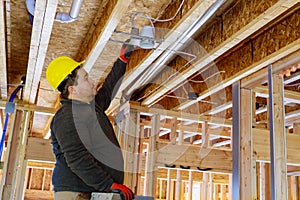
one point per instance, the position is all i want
(182, 115)
(188, 155)
(289, 96)
(30, 107)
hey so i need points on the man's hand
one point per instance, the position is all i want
(124, 191)
(126, 51)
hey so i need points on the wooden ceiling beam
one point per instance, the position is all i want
(3, 64)
(41, 31)
(260, 77)
(29, 107)
(105, 28)
(170, 38)
(251, 28)
(295, 46)
(182, 115)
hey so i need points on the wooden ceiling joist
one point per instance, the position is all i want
(3, 65)
(170, 39)
(41, 31)
(109, 22)
(295, 46)
(255, 25)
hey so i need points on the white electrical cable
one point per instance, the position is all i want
(166, 20)
(151, 19)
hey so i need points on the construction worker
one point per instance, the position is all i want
(88, 155)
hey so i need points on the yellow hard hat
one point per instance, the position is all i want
(59, 69)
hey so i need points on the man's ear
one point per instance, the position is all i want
(71, 89)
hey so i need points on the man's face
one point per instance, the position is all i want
(85, 89)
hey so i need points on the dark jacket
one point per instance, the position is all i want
(88, 155)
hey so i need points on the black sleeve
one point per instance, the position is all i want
(111, 85)
(78, 158)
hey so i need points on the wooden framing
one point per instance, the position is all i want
(248, 162)
(179, 28)
(3, 71)
(294, 179)
(179, 134)
(95, 47)
(178, 185)
(6, 190)
(41, 31)
(131, 146)
(244, 32)
(277, 138)
(151, 168)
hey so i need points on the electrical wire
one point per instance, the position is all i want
(166, 20)
(151, 19)
(217, 73)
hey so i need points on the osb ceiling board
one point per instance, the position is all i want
(20, 37)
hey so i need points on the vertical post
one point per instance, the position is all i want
(180, 137)
(151, 172)
(248, 165)
(173, 131)
(230, 187)
(204, 186)
(11, 157)
(294, 179)
(205, 136)
(140, 161)
(20, 180)
(236, 140)
(216, 191)
(178, 185)
(190, 193)
(277, 137)
(168, 192)
(223, 192)
(265, 172)
(265, 187)
(131, 149)
(211, 189)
